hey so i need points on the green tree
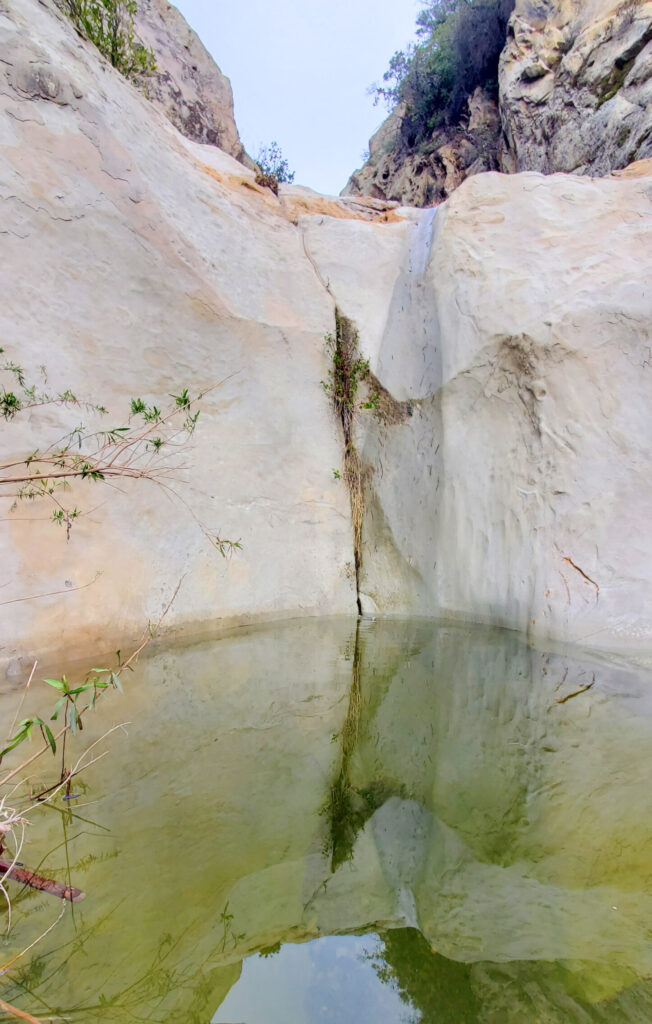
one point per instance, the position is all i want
(273, 168)
(109, 24)
(458, 48)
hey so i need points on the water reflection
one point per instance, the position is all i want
(437, 785)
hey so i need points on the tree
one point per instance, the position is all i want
(460, 42)
(273, 168)
(109, 24)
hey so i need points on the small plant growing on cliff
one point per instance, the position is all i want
(109, 24)
(273, 168)
(348, 370)
(129, 451)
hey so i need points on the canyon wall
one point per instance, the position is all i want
(188, 86)
(574, 95)
(576, 86)
(506, 463)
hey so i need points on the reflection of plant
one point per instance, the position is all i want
(438, 990)
(227, 924)
(270, 950)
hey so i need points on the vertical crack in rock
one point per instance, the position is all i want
(347, 371)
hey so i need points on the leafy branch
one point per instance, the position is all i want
(109, 24)
(147, 447)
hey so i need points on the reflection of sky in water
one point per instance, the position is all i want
(327, 981)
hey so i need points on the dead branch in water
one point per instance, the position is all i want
(34, 881)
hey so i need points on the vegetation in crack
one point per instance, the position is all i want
(272, 169)
(459, 44)
(349, 369)
(109, 24)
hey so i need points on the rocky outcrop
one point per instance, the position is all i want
(188, 86)
(512, 327)
(575, 95)
(576, 86)
(506, 460)
(428, 174)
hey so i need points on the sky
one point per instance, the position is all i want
(300, 70)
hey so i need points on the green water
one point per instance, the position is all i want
(329, 821)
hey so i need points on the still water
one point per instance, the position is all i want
(341, 822)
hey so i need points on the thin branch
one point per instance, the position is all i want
(5, 967)
(53, 593)
(22, 701)
(14, 1012)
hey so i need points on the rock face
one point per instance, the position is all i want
(575, 95)
(135, 262)
(188, 87)
(507, 466)
(395, 171)
(512, 328)
(576, 86)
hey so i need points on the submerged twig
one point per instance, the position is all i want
(576, 693)
(13, 1011)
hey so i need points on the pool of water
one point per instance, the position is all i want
(350, 821)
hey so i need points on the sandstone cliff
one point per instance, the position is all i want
(188, 87)
(427, 175)
(575, 95)
(507, 466)
(576, 86)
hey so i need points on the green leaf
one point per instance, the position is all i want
(58, 685)
(116, 682)
(57, 709)
(47, 734)
(24, 733)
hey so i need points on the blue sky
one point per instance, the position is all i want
(300, 71)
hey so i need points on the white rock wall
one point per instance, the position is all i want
(510, 471)
(517, 334)
(135, 262)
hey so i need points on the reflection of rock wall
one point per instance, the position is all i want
(504, 825)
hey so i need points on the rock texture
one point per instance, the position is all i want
(575, 95)
(576, 86)
(188, 87)
(510, 474)
(507, 468)
(135, 262)
(427, 175)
